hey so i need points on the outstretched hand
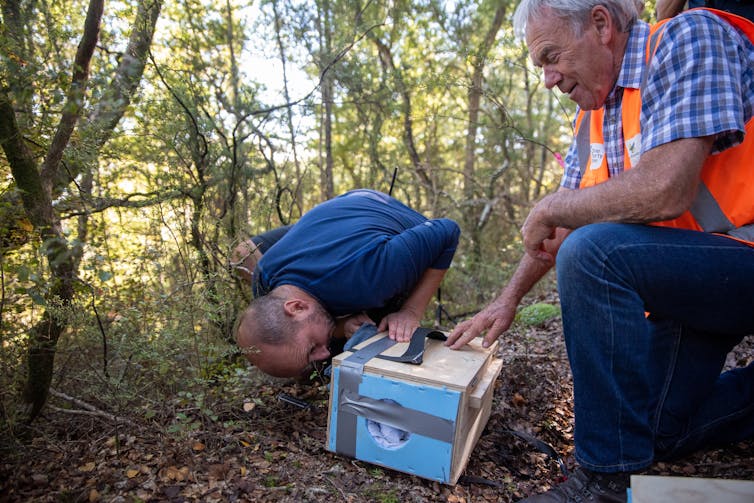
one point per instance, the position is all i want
(400, 325)
(496, 318)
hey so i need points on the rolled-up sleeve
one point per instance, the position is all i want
(432, 244)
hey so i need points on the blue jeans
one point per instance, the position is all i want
(650, 387)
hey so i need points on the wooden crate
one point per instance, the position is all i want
(442, 405)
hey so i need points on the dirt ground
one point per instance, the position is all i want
(256, 447)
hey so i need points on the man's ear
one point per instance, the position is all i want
(602, 22)
(296, 307)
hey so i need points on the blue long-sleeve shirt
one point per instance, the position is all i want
(357, 252)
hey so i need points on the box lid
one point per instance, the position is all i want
(454, 369)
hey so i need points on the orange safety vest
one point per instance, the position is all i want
(725, 202)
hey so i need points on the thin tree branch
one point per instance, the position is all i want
(89, 410)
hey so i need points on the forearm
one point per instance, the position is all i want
(661, 187)
(530, 271)
(498, 315)
(422, 293)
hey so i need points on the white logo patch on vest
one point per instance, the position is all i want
(633, 147)
(597, 151)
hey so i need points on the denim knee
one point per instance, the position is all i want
(585, 248)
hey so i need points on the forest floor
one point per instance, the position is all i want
(252, 446)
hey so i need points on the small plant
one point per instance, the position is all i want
(388, 497)
(538, 314)
(271, 481)
(376, 472)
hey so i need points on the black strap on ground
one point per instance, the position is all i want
(541, 446)
(301, 404)
(480, 481)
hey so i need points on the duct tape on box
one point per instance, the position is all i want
(389, 423)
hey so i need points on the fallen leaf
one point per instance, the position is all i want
(88, 467)
(248, 406)
(218, 471)
(198, 446)
(174, 473)
(131, 473)
(518, 400)
(39, 478)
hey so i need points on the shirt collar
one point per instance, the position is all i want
(633, 59)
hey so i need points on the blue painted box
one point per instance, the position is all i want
(420, 419)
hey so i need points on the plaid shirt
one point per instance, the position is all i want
(700, 83)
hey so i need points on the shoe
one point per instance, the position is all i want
(584, 486)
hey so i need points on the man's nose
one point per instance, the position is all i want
(320, 353)
(552, 77)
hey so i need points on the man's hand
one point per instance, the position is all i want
(536, 231)
(496, 318)
(401, 325)
(350, 324)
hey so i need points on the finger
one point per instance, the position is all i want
(467, 337)
(457, 332)
(492, 335)
(383, 325)
(403, 335)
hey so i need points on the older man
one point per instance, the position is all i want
(360, 257)
(649, 311)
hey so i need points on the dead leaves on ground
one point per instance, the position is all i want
(262, 449)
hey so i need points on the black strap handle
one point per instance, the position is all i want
(415, 352)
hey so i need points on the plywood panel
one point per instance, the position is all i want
(655, 489)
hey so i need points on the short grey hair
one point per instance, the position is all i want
(264, 321)
(576, 13)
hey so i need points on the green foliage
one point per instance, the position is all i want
(208, 152)
(388, 497)
(537, 314)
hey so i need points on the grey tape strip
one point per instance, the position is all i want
(745, 232)
(397, 416)
(707, 212)
(349, 378)
(583, 148)
(363, 355)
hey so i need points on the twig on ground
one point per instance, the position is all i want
(90, 410)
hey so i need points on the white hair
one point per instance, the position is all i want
(576, 13)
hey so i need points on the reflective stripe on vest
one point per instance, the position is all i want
(725, 201)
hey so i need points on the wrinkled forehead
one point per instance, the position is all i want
(548, 35)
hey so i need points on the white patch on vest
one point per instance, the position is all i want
(597, 151)
(633, 147)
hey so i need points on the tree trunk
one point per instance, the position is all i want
(472, 216)
(326, 177)
(386, 58)
(36, 186)
(297, 196)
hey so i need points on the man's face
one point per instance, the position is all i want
(308, 345)
(583, 67)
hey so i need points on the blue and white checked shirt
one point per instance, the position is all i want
(701, 83)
